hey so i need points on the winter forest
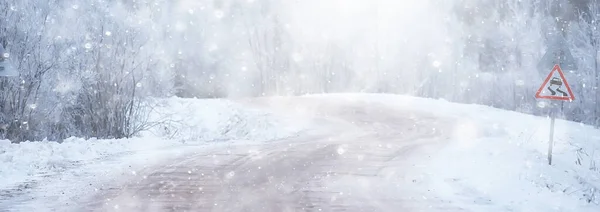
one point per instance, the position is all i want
(89, 68)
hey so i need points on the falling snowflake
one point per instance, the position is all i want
(230, 175)
(542, 104)
(219, 14)
(341, 150)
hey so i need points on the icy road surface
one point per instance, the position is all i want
(360, 157)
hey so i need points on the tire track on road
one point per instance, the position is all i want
(350, 168)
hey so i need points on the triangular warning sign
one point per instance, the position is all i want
(555, 87)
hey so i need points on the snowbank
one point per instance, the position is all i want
(496, 160)
(185, 125)
(215, 119)
(21, 162)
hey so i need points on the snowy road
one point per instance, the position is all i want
(364, 157)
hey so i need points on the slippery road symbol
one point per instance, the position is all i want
(554, 84)
(558, 82)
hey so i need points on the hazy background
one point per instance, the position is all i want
(88, 67)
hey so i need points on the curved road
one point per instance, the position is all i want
(361, 157)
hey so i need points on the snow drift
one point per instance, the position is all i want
(34, 169)
(496, 160)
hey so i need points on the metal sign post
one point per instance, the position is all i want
(557, 56)
(551, 140)
(553, 112)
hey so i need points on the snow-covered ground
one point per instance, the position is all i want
(36, 175)
(494, 160)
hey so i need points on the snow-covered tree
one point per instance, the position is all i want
(87, 66)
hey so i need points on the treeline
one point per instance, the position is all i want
(87, 66)
(84, 68)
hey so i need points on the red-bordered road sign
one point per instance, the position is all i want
(551, 88)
